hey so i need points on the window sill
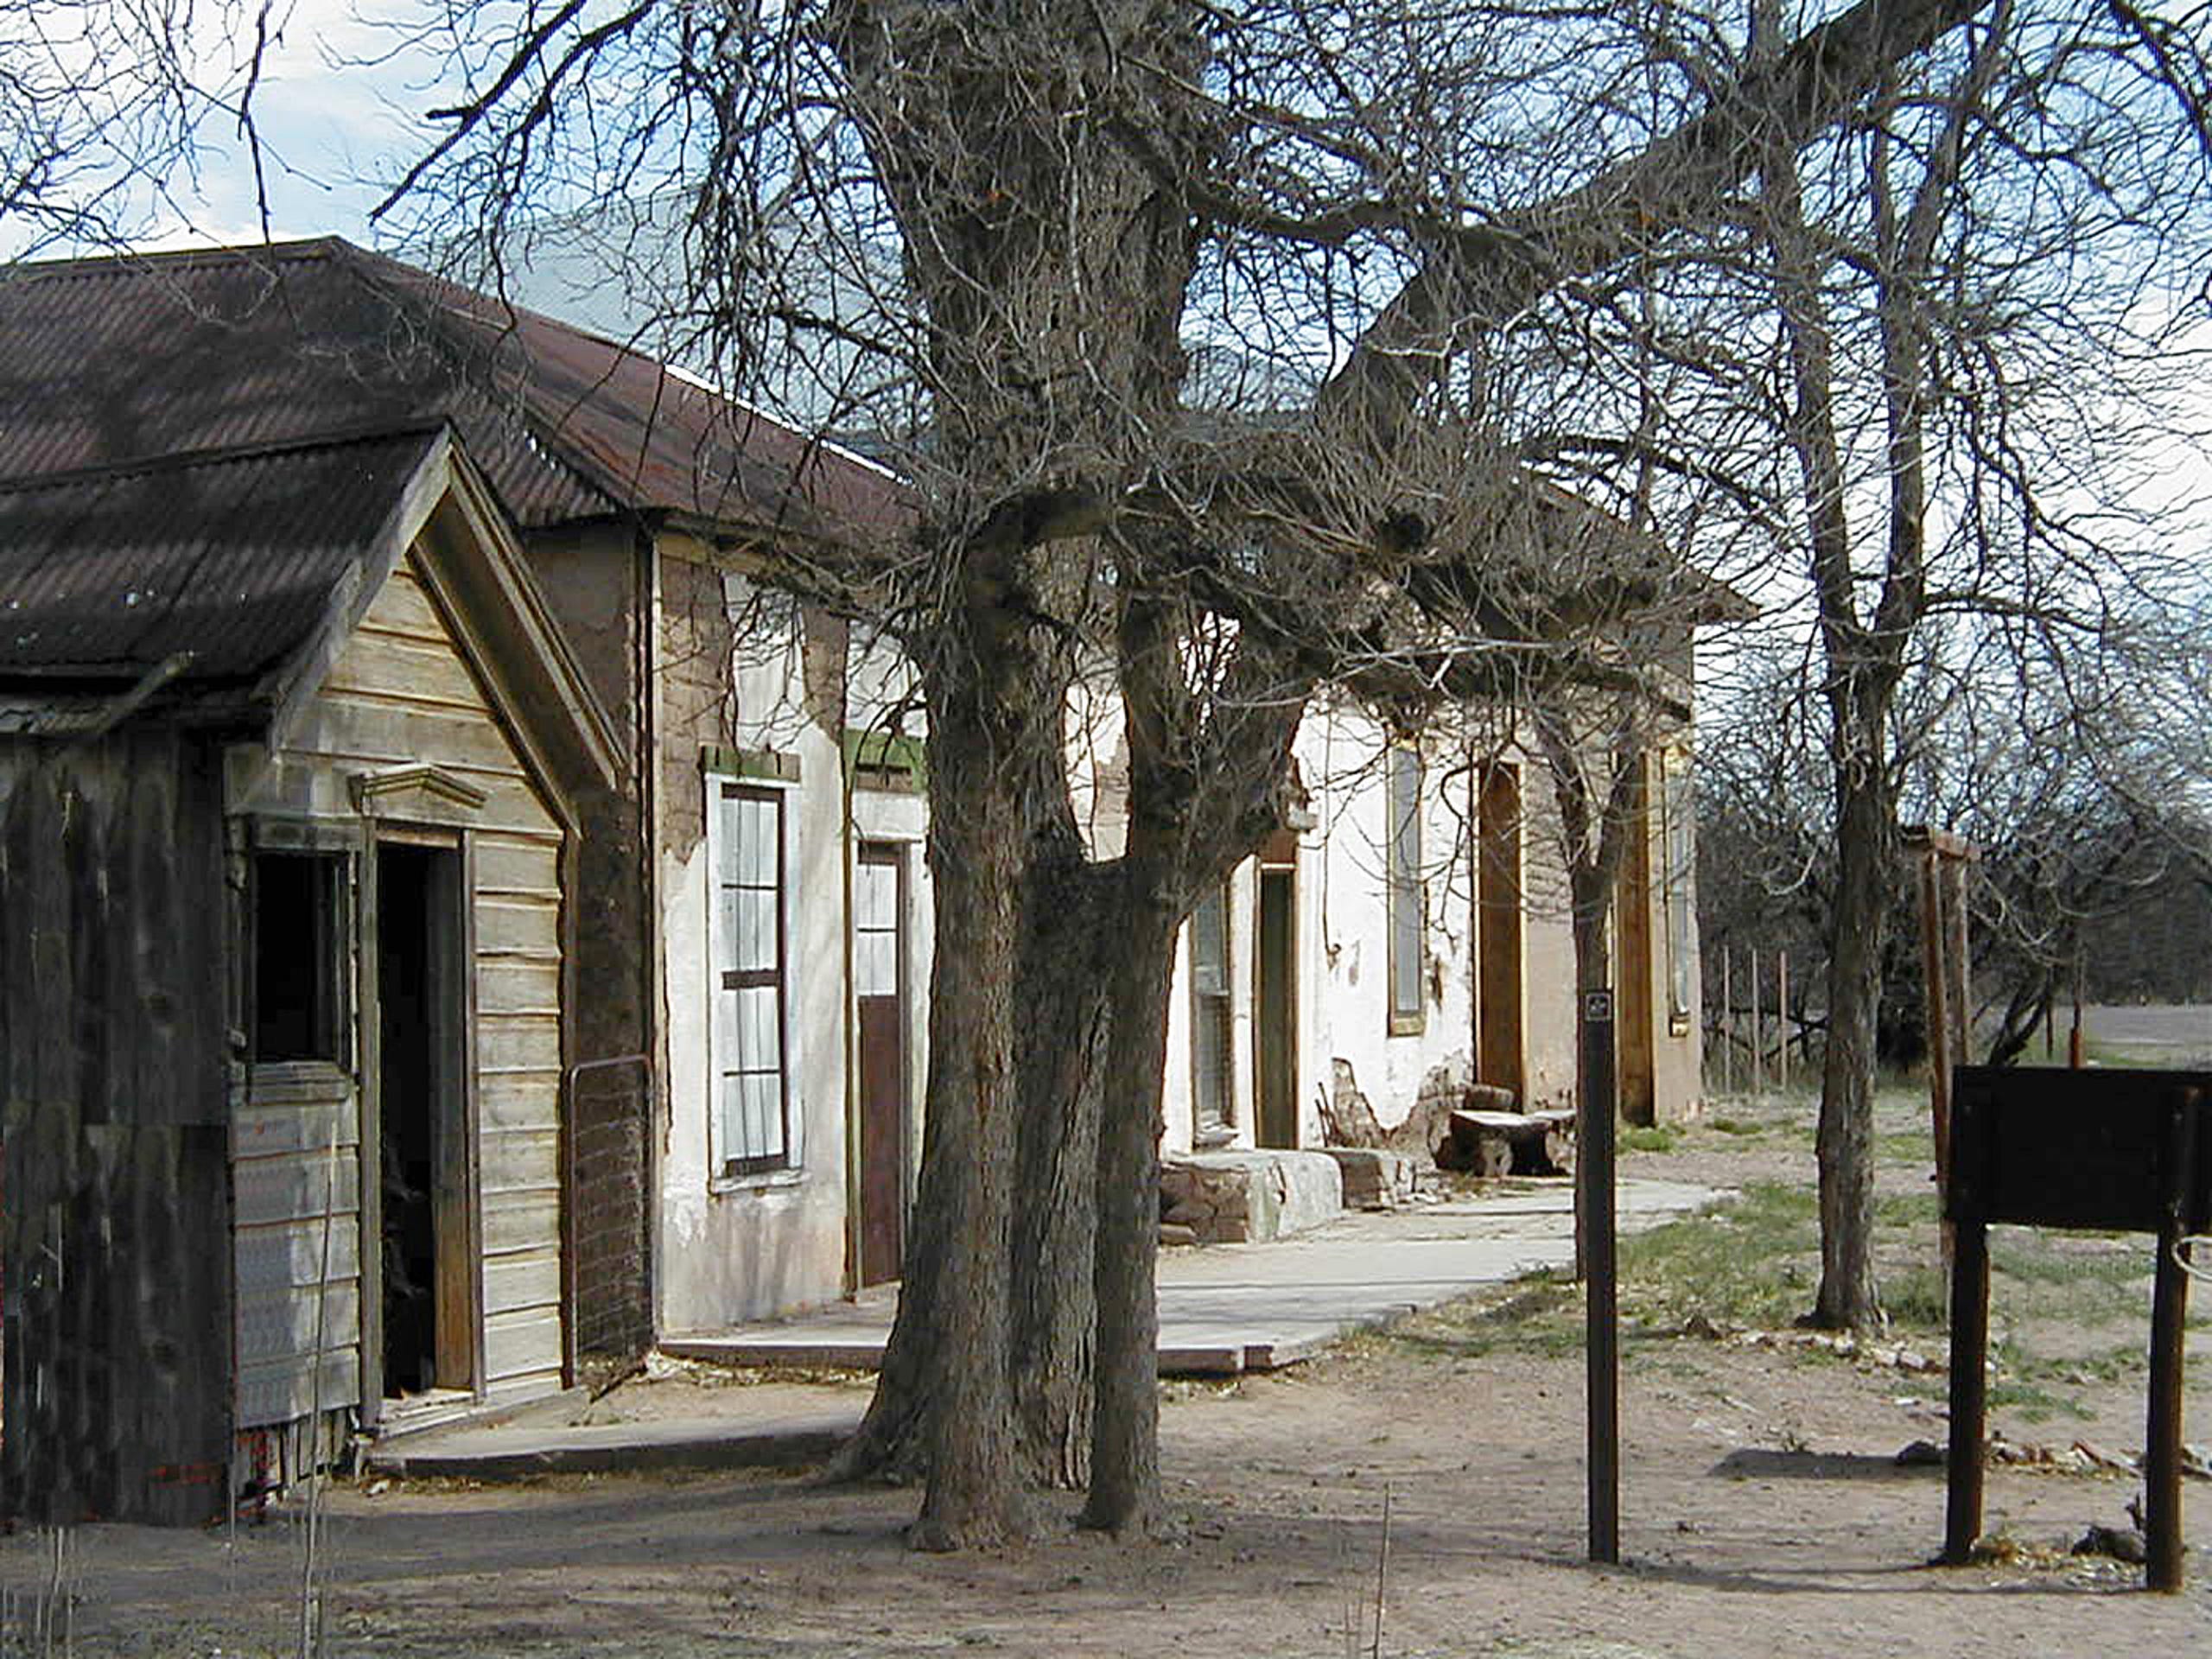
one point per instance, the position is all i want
(767, 1180)
(1407, 1025)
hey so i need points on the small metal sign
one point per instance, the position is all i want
(1598, 1006)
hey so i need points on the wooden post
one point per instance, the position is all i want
(1727, 1023)
(1969, 1389)
(1936, 985)
(1758, 1032)
(2162, 1537)
(2073, 1036)
(1594, 1167)
(1782, 1019)
(1955, 860)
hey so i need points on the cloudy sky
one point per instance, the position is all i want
(339, 106)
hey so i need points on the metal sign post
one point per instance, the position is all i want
(1594, 1163)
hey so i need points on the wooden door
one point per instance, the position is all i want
(1499, 996)
(880, 992)
(1635, 1060)
(1275, 997)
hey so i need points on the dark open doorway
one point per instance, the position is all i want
(1274, 992)
(427, 1249)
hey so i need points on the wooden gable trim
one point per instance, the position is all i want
(468, 560)
(371, 789)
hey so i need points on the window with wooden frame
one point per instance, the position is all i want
(1212, 1022)
(1678, 850)
(1402, 889)
(299, 958)
(750, 1112)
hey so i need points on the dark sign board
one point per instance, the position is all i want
(2095, 1149)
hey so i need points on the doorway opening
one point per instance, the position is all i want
(879, 991)
(1274, 992)
(1498, 1053)
(427, 1244)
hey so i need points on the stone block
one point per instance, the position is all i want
(1242, 1196)
(1374, 1179)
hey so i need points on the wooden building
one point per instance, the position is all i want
(372, 717)
(290, 755)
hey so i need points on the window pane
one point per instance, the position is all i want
(1209, 946)
(1402, 883)
(875, 964)
(757, 837)
(753, 942)
(876, 896)
(298, 956)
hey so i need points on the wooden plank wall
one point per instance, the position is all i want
(402, 694)
(296, 1178)
(114, 1211)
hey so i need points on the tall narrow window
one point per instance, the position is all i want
(752, 1088)
(1212, 1048)
(1678, 813)
(1402, 856)
(299, 917)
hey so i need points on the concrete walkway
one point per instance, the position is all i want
(1223, 1309)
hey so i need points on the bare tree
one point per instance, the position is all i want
(1200, 324)
(103, 108)
(1947, 274)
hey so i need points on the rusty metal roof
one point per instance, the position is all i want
(116, 361)
(227, 560)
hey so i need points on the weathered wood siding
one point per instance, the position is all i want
(114, 1214)
(296, 1182)
(402, 694)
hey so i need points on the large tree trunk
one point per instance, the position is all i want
(976, 1494)
(1057, 999)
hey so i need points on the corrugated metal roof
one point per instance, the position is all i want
(110, 362)
(105, 574)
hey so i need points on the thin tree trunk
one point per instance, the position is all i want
(1844, 1142)
(1063, 1017)
(1125, 1490)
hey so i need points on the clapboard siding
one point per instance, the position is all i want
(402, 694)
(295, 1205)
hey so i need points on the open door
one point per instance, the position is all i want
(880, 990)
(427, 1250)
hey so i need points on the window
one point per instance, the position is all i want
(750, 1108)
(1401, 857)
(299, 1001)
(1213, 1045)
(1677, 814)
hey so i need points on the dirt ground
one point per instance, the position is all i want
(1764, 1514)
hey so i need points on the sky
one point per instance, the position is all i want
(336, 108)
(332, 122)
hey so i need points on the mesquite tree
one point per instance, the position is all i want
(1945, 275)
